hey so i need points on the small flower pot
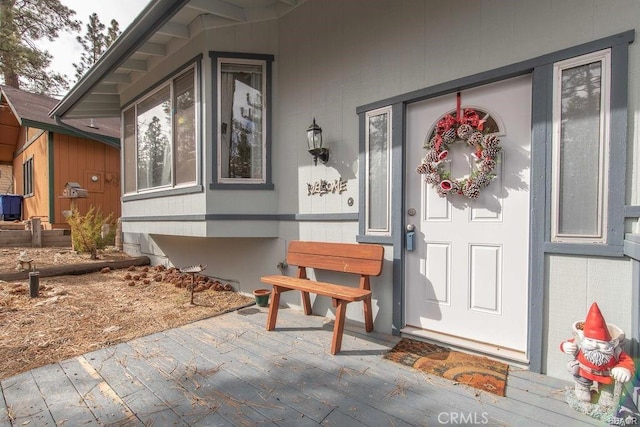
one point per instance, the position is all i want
(262, 297)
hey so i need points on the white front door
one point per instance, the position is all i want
(467, 277)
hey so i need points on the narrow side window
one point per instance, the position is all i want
(580, 149)
(378, 171)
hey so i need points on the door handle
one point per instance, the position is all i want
(410, 237)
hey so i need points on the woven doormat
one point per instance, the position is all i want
(475, 371)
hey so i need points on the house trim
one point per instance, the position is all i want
(163, 193)
(328, 217)
(541, 69)
(154, 16)
(28, 144)
(52, 194)
(632, 211)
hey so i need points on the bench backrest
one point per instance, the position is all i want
(363, 259)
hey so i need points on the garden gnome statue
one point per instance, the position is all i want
(598, 356)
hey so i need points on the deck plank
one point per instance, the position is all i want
(5, 416)
(457, 398)
(62, 399)
(204, 382)
(124, 371)
(228, 370)
(269, 387)
(105, 404)
(25, 402)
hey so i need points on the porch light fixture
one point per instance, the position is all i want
(314, 142)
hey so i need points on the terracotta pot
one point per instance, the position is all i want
(262, 296)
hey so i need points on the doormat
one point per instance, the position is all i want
(475, 371)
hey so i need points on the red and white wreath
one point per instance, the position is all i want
(465, 126)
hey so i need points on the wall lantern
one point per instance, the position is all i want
(314, 141)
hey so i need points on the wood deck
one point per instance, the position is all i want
(229, 371)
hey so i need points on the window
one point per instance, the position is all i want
(27, 177)
(580, 149)
(378, 171)
(243, 87)
(159, 136)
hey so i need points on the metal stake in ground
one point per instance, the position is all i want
(193, 269)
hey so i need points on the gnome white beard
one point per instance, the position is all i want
(597, 357)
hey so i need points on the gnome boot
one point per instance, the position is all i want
(583, 392)
(606, 398)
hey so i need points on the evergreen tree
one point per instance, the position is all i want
(95, 42)
(22, 24)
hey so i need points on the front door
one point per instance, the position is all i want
(466, 278)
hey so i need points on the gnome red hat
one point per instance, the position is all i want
(594, 326)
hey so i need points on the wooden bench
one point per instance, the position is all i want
(364, 260)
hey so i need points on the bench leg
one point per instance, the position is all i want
(368, 315)
(306, 302)
(338, 327)
(273, 309)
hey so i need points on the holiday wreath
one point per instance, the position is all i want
(465, 126)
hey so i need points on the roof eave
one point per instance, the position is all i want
(154, 16)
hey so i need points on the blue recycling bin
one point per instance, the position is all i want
(10, 207)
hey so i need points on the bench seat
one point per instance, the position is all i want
(319, 288)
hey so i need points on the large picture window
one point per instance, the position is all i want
(580, 148)
(242, 119)
(159, 136)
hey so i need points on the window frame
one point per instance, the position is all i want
(388, 110)
(218, 182)
(602, 211)
(179, 188)
(27, 177)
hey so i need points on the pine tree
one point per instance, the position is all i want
(22, 24)
(95, 42)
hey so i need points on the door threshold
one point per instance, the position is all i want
(502, 354)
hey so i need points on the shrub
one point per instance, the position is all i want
(92, 231)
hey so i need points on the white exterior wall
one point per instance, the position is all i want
(338, 55)
(332, 56)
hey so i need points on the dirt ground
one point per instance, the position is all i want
(77, 314)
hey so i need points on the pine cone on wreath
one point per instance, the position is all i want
(432, 178)
(490, 153)
(464, 131)
(431, 167)
(431, 143)
(487, 165)
(483, 179)
(431, 156)
(491, 141)
(421, 169)
(449, 136)
(475, 139)
(471, 191)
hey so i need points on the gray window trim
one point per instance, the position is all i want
(540, 192)
(268, 184)
(196, 62)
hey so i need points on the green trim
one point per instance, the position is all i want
(68, 130)
(51, 180)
